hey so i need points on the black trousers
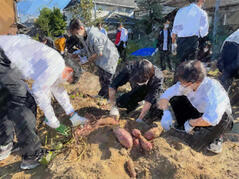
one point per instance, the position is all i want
(229, 63)
(187, 48)
(122, 50)
(105, 80)
(202, 136)
(164, 59)
(130, 101)
(17, 115)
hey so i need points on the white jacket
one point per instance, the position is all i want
(44, 66)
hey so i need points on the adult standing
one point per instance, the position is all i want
(190, 23)
(164, 46)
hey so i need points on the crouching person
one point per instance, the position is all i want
(16, 115)
(146, 82)
(46, 67)
(201, 107)
(100, 50)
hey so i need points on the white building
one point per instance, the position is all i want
(103, 8)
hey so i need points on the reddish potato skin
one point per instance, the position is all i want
(123, 137)
(136, 133)
(152, 133)
(146, 145)
(131, 169)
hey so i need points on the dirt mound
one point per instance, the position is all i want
(100, 155)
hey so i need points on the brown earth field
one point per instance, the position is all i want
(101, 156)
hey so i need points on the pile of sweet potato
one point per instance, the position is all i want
(136, 139)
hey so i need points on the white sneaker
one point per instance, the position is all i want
(114, 111)
(216, 146)
(5, 150)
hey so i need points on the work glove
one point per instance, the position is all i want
(155, 51)
(114, 111)
(167, 120)
(174, 48)
(52, 123)
(140, 121)
(77, 120)
(63, 130)
(187, 127)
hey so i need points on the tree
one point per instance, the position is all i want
(83, 10)
(51, 22)
(153, 9)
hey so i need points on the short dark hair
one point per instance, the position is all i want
(145, 70)
(75, 24)
(192, 1)
(191, 71)
(42, 37)
(99, 24)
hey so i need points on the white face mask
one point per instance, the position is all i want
(186, 90)
(141, 84)
(166, 25)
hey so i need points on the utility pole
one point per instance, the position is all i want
(215, 23)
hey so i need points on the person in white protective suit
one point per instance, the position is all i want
(46, 67)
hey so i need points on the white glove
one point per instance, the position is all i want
(53, 123)
(174, 48)
(83, 60)
(167, 120)
(114, 111)
(77, 120)
(188, 128)
(155, 51)
(139, 120)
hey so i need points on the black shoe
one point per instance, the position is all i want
(32, 161)
(179, 128)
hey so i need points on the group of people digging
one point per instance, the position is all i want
(199, 104)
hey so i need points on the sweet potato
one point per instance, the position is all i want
(146, 145)
(123, 137)
(131, 169)
(136, 143)
(152, 133)
(104, 121)
(136, 133)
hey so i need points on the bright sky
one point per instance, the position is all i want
(31, 8)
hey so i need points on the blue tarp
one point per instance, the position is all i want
(144, 52)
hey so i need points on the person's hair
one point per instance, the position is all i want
(191, 71)
(120, 24)
(145, 70)
(42, 37)
(75, 24)
(99, 24)
(192, 1)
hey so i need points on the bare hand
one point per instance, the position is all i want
(163, 104)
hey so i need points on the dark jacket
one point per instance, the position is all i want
(161, 39)
(154, 84)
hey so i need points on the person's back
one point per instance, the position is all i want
(190, 25)
(33, 57)
(109, 59)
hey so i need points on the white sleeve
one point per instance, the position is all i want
(204, 26)
(172, 91)
(62, 97)
(177, 26)
(216, 107)
(43, 99)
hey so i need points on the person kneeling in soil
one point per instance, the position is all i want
(201, 107)
(35, 61)
(146, 82)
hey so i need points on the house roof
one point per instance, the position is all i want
(122, 3)
(115, 18)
